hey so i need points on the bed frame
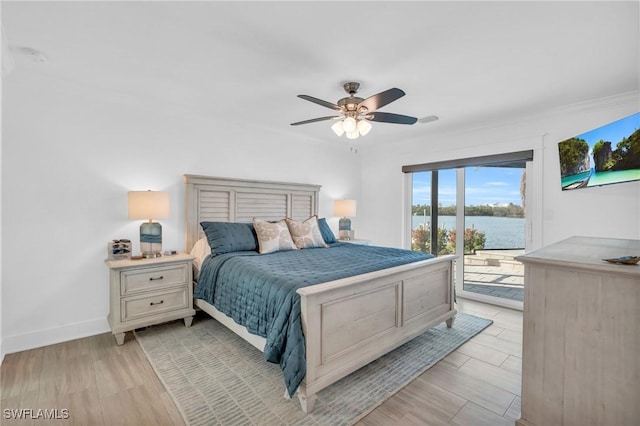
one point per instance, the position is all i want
(347, 323)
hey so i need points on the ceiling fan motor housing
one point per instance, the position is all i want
(351, 87)
(350, 103)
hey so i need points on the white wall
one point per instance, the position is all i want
(1, 310)
(71, 153)
(6, 62)
(608, 211)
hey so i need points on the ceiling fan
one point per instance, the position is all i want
(355, 112)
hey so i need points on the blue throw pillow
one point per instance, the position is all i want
(325, 230)
(226, 237)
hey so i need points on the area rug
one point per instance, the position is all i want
(215, 377)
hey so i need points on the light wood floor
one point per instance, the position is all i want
(478, 384)
(104, 384)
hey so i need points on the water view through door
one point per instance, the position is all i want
(494, 232)
(493, 223)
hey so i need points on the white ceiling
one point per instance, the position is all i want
(470, 63)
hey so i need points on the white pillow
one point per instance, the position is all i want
(200, 251)
(273, 237)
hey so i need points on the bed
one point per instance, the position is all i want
(345, 322)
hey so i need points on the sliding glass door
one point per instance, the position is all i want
(479, 213)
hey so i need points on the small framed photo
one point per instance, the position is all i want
(119, 249)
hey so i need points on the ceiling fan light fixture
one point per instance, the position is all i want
(364, 127)
(349, 125)
(338, 128)
(355, 112)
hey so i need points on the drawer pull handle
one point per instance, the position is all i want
(156, 303)
(161, 277)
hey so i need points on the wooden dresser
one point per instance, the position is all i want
(581, 344)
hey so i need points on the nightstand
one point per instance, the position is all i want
(356, 241)
(149, 291)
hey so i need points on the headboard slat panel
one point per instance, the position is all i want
(237, 200)
(266, 206)
(300, 207)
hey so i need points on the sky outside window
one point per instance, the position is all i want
(484, 185)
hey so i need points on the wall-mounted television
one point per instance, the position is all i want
(606, 155)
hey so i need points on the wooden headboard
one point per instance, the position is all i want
(218, 199)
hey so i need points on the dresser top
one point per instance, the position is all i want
(588, 253)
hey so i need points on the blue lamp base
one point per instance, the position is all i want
(344, 226)
(151, 239)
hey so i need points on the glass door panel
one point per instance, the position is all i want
(432, 227)
(447, 211)
(494, 233)
(421, 212)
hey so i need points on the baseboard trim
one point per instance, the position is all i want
(53, 335)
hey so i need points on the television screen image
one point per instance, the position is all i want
(606, 155)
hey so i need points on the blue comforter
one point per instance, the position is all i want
(259, 291)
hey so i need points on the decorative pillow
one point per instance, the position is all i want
(200, 251)
(227, 237)
(306, 234)
(327, 234)
(273, 237)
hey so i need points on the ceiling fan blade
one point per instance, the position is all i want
(387, 117)
(375, 102)
(320, 102)
(313, 120)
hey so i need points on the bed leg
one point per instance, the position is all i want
(188, 321)
(307, 402)
(119, 338)
(450, 322)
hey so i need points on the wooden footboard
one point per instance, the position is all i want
(350, 322)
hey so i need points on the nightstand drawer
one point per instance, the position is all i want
(136, 307)
(136, 281)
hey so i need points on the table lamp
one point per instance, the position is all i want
(149, 205)
(346, 209)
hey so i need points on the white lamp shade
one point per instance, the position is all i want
(349, 124)
(148, 205)
(337, 128)
(364, 127)
(344, 208)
